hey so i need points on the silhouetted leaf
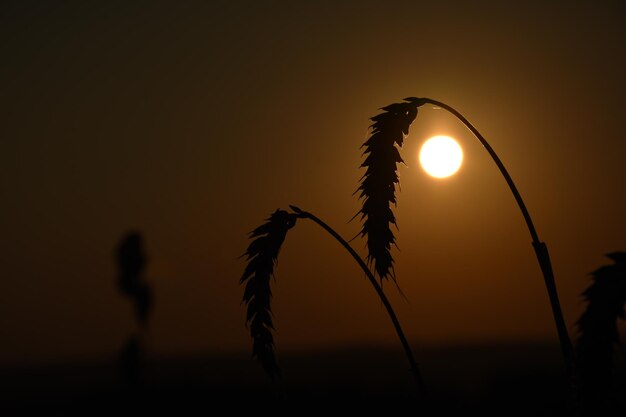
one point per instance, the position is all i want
(378, 184)
(597, 325)
(262, 254)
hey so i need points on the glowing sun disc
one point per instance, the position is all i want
(441, 156)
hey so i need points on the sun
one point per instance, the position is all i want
(441, 156)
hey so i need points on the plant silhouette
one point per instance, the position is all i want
(378, 192)
(131, 263)
(597, 326)
(262, 255)
(378, 185)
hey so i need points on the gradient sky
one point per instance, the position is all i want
(193, 122)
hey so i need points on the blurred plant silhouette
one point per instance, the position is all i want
(261, 256)
(598, 334)
(131, 262)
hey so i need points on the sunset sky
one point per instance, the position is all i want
(193, 121)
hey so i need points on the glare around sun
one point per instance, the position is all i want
(441, 156)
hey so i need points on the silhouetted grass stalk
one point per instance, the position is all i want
(541, 250)
(413, 367)
(262, 255)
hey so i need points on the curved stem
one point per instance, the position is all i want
(541, 250)
(414, 368)
(496, 159)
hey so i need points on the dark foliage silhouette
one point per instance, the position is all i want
(262, 255)
(131, 261)
(378, 185)
(597, 326)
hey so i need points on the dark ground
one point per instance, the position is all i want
(489, 380)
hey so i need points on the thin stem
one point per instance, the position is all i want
(496, 159)
(541, 250)
(414, 368)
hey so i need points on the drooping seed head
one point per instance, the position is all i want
(261, 255)
(378, 184)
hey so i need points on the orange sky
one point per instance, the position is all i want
(192, 123)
